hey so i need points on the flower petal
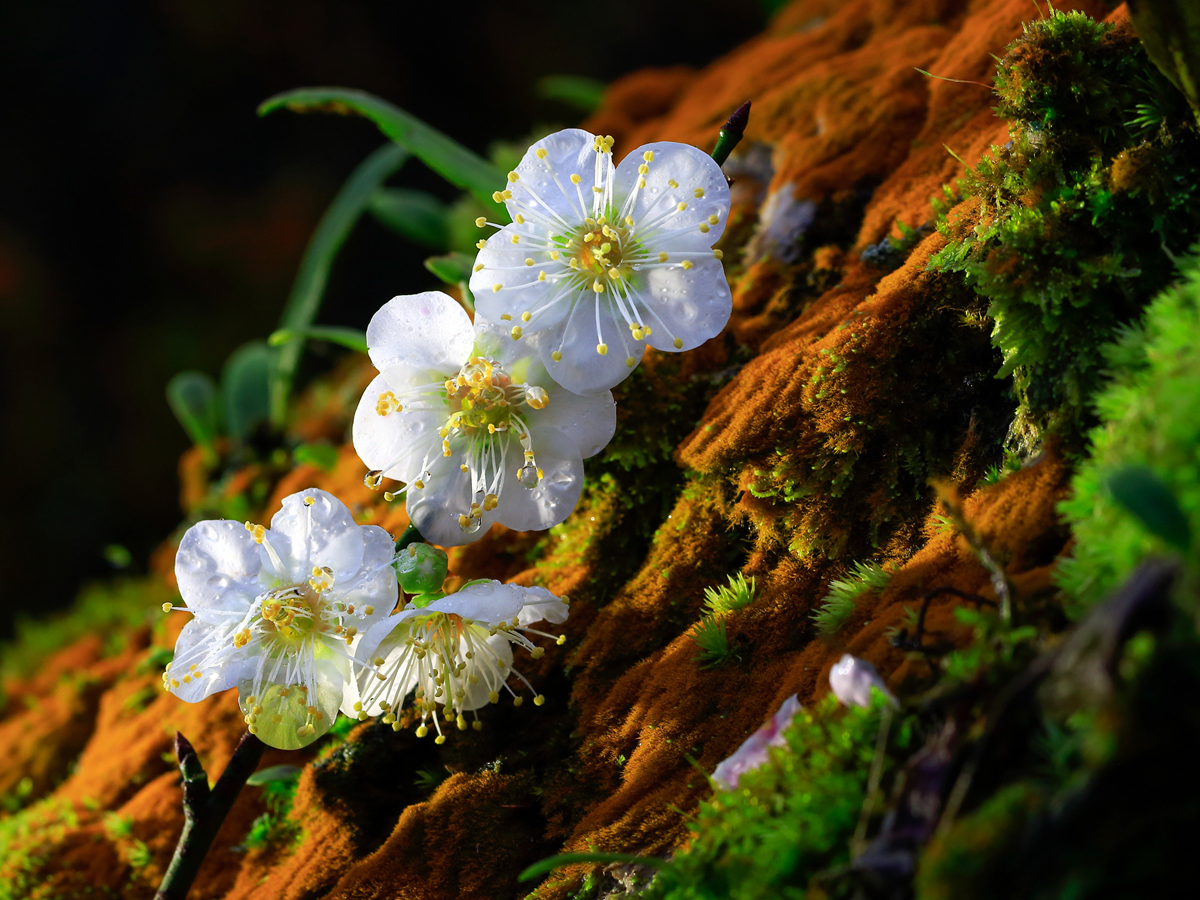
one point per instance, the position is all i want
(292, 708)
(490, 603)
(447, 494)
(218, 568)
(691, 305)
(428, 335)
(541, 605)
(590, 420)
(520, 289)
(583, 370)
(557, 492)
(691, 169)
(544, 187)
(374, 587)
(317, 533)
(477, 694)
(397, 443)
(206, 657)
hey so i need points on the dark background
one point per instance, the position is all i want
(150, 222)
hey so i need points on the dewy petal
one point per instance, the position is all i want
(435, 508)
(692, 305)
(852, 680)
(520, 289)
(284, 735)
(429, 335)
(541, 605)
(590, 420)
(397, 443)
(582, 370)
(218, 568)
(556, 494)
(545, 184)
(516, 356)
(688, 167)
(322, 533)
(477, 694)
(491, 603)
(218, 664)
(374, 587)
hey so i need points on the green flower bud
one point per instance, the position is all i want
(420, 568)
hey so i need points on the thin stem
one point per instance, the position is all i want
(204, 810)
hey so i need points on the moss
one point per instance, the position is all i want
(1150, 416)
(1076, 216)
(838, 605)
(788, 819)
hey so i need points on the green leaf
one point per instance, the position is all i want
(194, 400)
(245, 381)
(566, 859)
(575, 90)
(352, 338)
(321, 454)
(1145, 495)
(452, 268)
(274, 773)
(454, 162)
(309, 287)
(414, 215)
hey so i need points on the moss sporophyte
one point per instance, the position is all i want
(453, 650)
(472, 421)
(276, 613)
(600, 261)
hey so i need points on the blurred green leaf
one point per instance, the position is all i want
(583, 93)
(1145, 495)
(567, 859)
(274, 773)
(452, 268)
(194, 400)
(415, 215)
(309, 287)
(118, 556)
(352, 338)
(454, 162)
(321, 454)
(245, 382)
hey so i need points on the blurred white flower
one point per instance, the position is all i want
(753, 752)
(852, 679)
(470, 419)
(600, 261)
(456, 652)
(276, 612)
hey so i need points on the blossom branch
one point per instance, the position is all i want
(204, 810)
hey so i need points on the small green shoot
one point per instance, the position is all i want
(712, 638)
(738, 593)
(838, 605)
(245, 385)
(350, 338)
(194, 399)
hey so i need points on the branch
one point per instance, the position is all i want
(204, 810)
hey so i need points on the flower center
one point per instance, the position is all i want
(600, 252)
(481, 396)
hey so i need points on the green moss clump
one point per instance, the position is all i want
(1150, 416)
(838, 605)
(1077, 215)
(273, 828)
(788, 819)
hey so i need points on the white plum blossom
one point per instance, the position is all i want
(852, 679)
(600, 261)
(456, 652)
(277, 612)
(472, 422)
(754, 750)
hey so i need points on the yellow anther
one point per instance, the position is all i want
(678, 342)
(630, 361)
(496, 288)
(445, 448)
(662, 256)
(187, 679)
(614, 273)
(698, 193)
(516, 332)
(242, 638)
(648, 156)
(419, 484)
(672, 182)
(539, 700)
(490, 502)
(497, 197)
(681, 206)
(378, 661)
(597, 190)
(505, 317)
(687, 264)
(717, 254)
(166, 607)
(513, 177)
(520, 219)
(518, 700)
(529, 260)
(704, 228)
(641, 183)
(464, 522)
(358, 706)
(602, 349)
(440, 739)
(598, 286)
(714, 219)
(643, 169)
(309, 501)
(575, 179)
(481, 221)
(526, 316)
(481, 243)
(516, 239)
(422, 731)
(258, 532)
(562, 639)
(461, 722)
(556, 355)
(477, 725)
(541, 276)
(478, 267)
(541, 153)
(507, 195)
(554, 254)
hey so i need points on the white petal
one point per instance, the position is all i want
(492, 603)
(374, 587)
(428, 335)
(582, 369)
(218, 567)
(329, 682)
(520, 289)
(692, 305)
(397, 443)
(688, 167)
(447, 494)
(210, 649)
(556, 494)
(516, 356)
(544, 186)
(590, 420)
(322, 533)
(541, 605)
(477, 694)
(852, 680)
(384, 639)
